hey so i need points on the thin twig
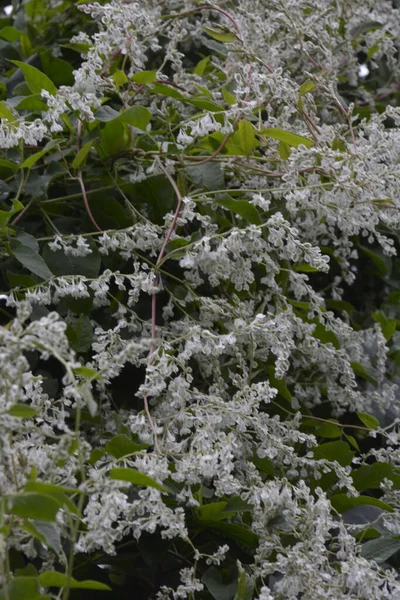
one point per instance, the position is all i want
(154, 294)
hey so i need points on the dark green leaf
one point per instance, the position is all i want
(208, 175)
(242, 208)
(61, 264)
(343, 502)
(380, 549)
(339, 451)
(30, 259)
(121, 445)
(219, 590)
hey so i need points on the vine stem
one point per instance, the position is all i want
(154, 294)
(82, 183)
(206, 7)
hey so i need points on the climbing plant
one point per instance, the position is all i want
(200, 300)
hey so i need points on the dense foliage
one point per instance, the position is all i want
(200, 300)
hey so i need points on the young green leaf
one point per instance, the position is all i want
(247, 137)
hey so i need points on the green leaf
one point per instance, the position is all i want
(144, 77)
(137, 116)
(33, 506)
(214, 583)
(343, 502)
(23, 588)
(324, 335)
(231, 530)
(87, 372)
(304, 268)
(201, 66)
(368, 420)
(46, 532)
(325, 430)
(361, 372)
(247, 137)
(292, 139)
(388, 325)
(5, 113)
(240, 207)
(23, 411)
(371, 476)
(20, 280)
(33, 158)
(32, 103)
(383, 263)
(59, 580)
(135, 478)
(121, 445)
(61, 264)
(380, 549)
(167, 90)
(11, 34)
(339, 451)
(5, 215)
(211, 511)
(82, 154)
(119, 78)
(229, 98)
(208, 175)
(30, 259)
(221, 35)
(279, 384)
(204, 104)
(80, 334)
(284, 150)
(35, 79)
(306, 87)
(58, 492)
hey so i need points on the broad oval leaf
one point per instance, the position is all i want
(33, 506)
(36, 80)
(30, 259)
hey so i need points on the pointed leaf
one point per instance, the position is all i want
(135, 478)
(247, 137)
(36, 80)
(30, 259)
(292, 139)
(56, 579)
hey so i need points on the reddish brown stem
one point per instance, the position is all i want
(154, 294)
